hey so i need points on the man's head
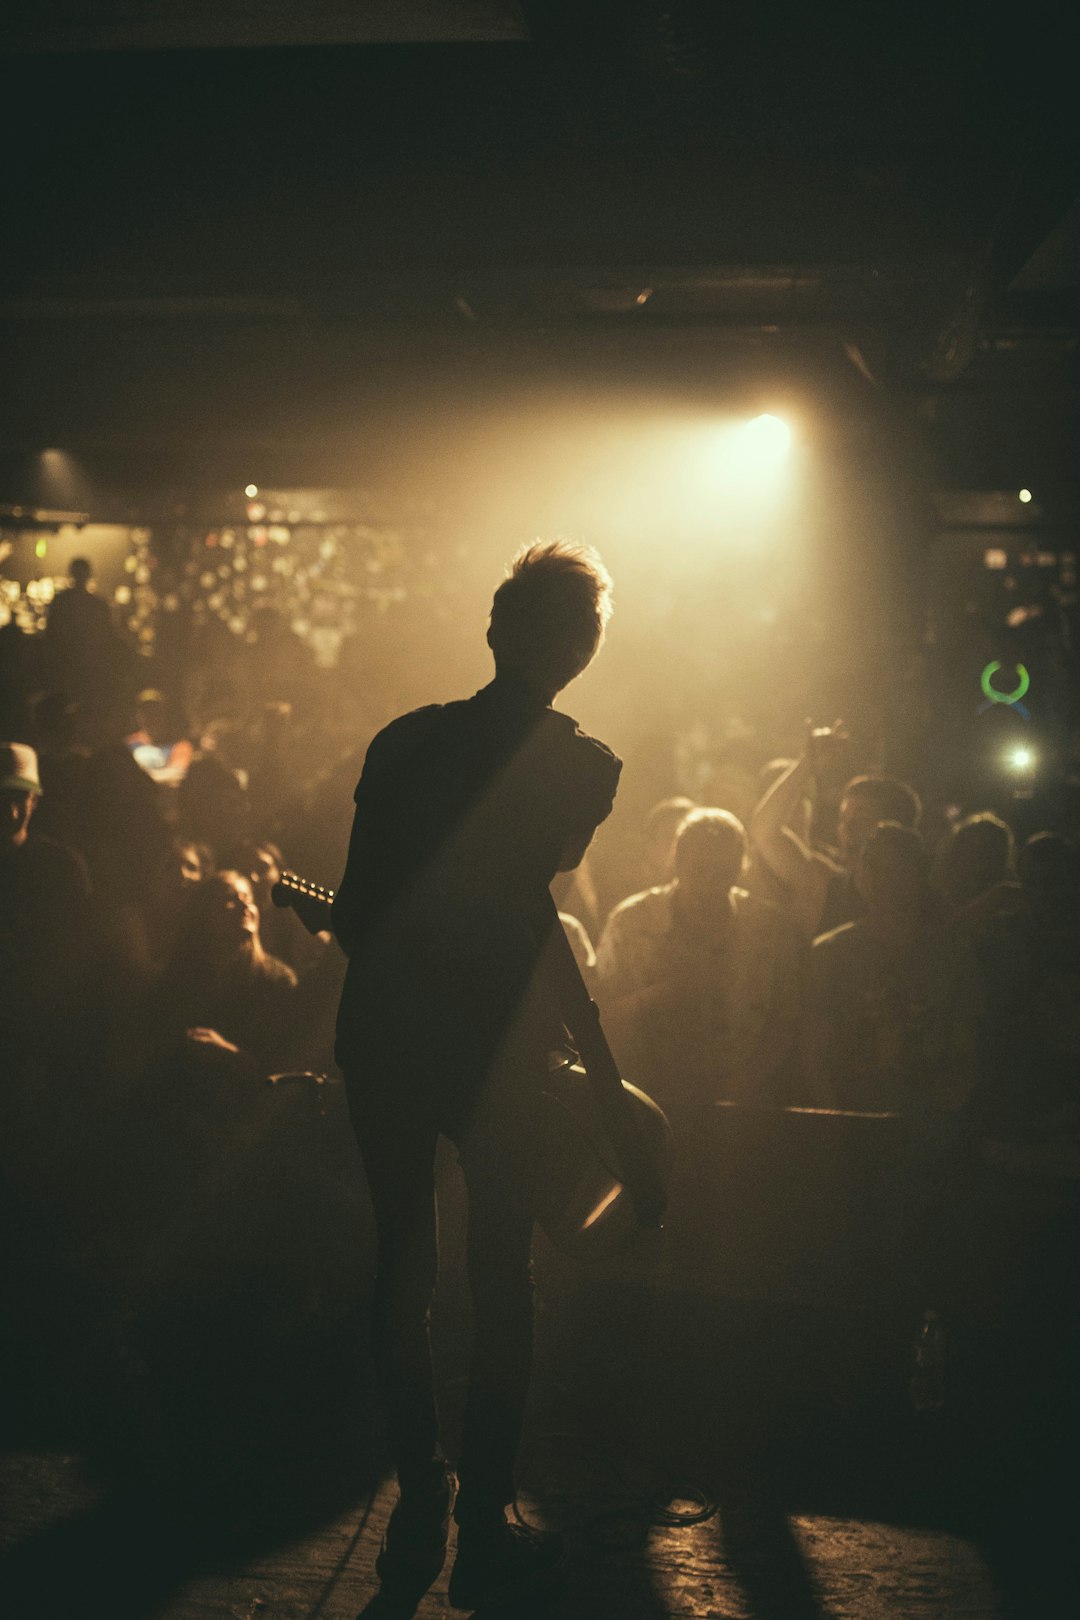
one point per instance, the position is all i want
(79, 571)
(20, 788)
(548, 616)
(710, 853)
(226, 913)
(980, 852)
(866, 802)
(658, 837)
(894, 871)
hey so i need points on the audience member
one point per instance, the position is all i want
(1030, 957)
(221, 990)
(975, 871)
(83, 654)
(699, 982)
(893, 1002)
(212, 803)
(658, 839)
(45, 917)
(823, 889)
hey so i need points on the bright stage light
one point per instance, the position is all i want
(1024, 495)
(1021, 759)
(251, 490)
(768, 437)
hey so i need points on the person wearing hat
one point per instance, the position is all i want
(44, 907)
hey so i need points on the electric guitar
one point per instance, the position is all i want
(595, 1131)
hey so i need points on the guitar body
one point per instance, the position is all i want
(584, 1208)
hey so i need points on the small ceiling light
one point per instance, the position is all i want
(1021, 759)
(251, 490)
(1024, 496)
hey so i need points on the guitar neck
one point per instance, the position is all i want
(311, 902)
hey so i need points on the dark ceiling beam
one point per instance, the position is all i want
(119, 25)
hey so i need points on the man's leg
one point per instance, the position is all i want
(498, 1560)
(500, 1282)
(398, 1151)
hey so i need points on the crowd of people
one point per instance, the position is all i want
(883, 962)
(842, 949)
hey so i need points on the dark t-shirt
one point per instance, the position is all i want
(464, 812)
(45, 931)
(843, 903)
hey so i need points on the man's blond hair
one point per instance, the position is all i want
(549, 615)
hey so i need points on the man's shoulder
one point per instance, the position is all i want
(589, 764)
(567, 729)
(404, 735)
(649, 910)
(758, 911)
(276, 973)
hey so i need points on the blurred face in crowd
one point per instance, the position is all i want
(190, 865)
(265, 872)
(179, 870)
(859, 815)
(231, 913)
(16, 808)
(892, 873)
(708, 863)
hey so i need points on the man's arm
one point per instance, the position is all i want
(803, 869)
(357, 897)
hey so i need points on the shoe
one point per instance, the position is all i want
(503, 1561)
(414, 1547)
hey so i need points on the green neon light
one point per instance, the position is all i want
(991, 691)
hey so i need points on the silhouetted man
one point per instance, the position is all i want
(464, 814)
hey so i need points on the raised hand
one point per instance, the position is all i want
(824, 742)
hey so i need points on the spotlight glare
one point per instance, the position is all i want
(769, 435)
(1021, 759)
(251, 490)
(1025, 496)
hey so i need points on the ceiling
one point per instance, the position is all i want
(241, 224)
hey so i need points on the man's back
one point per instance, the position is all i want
(464, 813)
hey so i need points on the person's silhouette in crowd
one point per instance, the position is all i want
(283, 934)
(894, 999)
(562, 892)
(1029, 952)
(83, 653)
(975, 872)
(45, 917)
(657, 854)
(464, 814)
(63, 757)
(823, 890)
(19, 678)
(143, 929)
(212, 803)
(159, 742)
(121, 823)
(221, 992)
(761, 881)
(698, 981)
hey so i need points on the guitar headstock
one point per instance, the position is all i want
(310, 901)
